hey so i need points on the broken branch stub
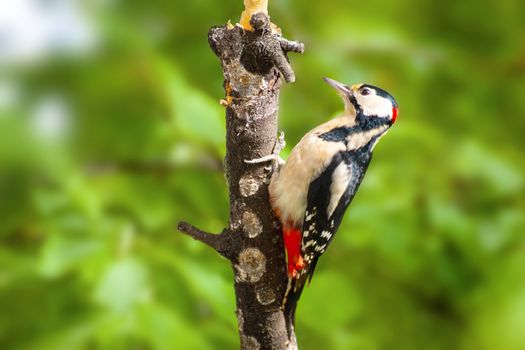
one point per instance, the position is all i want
(259, 50)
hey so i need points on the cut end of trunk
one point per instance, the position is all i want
(251, 7)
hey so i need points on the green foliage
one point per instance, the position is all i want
(430, 255)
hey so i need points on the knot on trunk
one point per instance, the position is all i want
(259, 50)
(267, 49)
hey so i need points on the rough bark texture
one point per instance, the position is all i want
(253, 63)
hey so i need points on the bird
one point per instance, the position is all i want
(311, 191)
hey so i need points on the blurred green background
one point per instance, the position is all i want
(111, 131)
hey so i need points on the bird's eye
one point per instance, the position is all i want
(365, 91)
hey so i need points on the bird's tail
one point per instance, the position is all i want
(293, 293)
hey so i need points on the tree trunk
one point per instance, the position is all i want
(253, 60)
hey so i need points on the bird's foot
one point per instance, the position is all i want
(277, 161)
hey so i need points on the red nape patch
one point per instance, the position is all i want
(394, 114)
(292, 243)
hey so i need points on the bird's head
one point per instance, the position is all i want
(366, 102)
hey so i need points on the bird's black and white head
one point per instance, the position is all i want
(367, 102)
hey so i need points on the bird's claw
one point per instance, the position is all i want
(277, 161)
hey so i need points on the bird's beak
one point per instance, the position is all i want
(340, 87)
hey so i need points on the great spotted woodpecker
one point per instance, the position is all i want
(311, 191)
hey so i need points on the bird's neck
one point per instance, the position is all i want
(355, 131)
(367, 123)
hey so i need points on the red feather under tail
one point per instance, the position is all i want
(292, 243)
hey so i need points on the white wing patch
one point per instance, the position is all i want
(309, 243)
(326, 234)
(320, 248)
(340, 179)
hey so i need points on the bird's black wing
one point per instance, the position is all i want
(320, 225)
(328, 198)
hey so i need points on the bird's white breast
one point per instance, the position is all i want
(289, 187)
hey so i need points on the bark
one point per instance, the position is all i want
(253, 62)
